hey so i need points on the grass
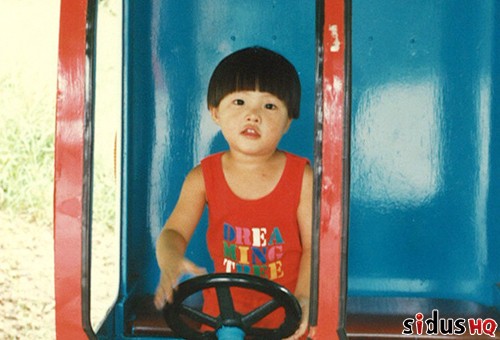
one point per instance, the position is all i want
(26, 151)
(27, 158)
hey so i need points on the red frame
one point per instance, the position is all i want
(331, 215)
(68, 175)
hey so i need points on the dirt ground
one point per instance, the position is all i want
(29, 40)
(26, 280)
(27, 308)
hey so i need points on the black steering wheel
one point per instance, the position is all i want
(177, 313)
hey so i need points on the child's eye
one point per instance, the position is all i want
(270, 106)
(238, 102)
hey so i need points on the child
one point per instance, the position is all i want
(259, 198)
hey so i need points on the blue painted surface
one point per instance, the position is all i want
(425, 193)
(170, 51)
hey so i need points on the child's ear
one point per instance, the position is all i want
(288, 124)
(214, 112)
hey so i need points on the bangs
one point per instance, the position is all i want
(256, 69)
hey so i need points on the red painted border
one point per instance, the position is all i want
(68, 176)
(331, 223)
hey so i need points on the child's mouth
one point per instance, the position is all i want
(250, 132)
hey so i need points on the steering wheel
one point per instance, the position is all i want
(175, 313)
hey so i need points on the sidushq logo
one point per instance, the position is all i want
(435, 325)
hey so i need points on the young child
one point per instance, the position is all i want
(259, 198)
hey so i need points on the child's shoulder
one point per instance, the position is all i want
(194, 179)
(302, 164)
(299, 161)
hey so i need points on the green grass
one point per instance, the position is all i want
(27, 123)
(26, 151)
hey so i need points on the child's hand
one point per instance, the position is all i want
(169, 280)
(304, 304)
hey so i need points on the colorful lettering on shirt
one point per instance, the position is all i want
(251, 250)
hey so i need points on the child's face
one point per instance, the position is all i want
(252, 122)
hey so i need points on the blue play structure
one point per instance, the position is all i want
(424, 174)
(425, 164)
(170, 50)
(424, 206)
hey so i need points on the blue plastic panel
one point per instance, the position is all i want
(425, 193)
(171, 48)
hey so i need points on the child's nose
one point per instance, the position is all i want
(253, 116)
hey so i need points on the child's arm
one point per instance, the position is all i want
(173, 239)
(304, 216)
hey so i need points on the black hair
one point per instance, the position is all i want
(256, 68)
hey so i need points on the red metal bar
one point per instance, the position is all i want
(331, 219)
(68, 176)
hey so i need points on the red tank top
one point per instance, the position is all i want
(259, 237)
